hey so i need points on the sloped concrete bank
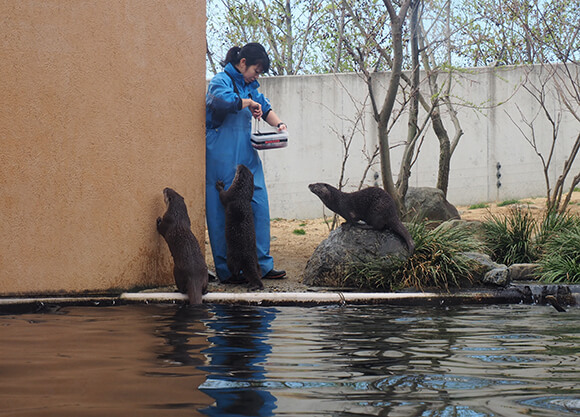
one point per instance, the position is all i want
(559, 296)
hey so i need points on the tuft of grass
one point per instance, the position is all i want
(509, 238)
(299, 231)
(508, 203)
(478, 206)
(302, 224)
(553, 224)
(437, 262)
(560, 262)
(554, 242)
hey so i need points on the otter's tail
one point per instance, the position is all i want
(195, 291)
(402, 231)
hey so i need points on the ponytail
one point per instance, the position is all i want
(232, 56)
(253, 52)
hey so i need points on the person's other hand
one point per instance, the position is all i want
(256, 109)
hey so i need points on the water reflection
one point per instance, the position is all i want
(424, 362)
(102, 361)
(400, 359)
(237, 356)
(326, 361)
(185, 335)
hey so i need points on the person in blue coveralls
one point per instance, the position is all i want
(232, 100)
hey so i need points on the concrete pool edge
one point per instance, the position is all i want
(322, 298)
(565, 295)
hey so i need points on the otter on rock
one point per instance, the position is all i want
(241, 251)
(190, 269)
(372, 205)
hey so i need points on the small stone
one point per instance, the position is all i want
(524, 272)
(499, 277)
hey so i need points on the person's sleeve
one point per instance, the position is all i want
(264, 102)
(221, 98)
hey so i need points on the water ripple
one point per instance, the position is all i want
(493, 361)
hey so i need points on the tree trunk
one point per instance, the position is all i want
(444, 151)
(389, 102)
(438, 98)
(412, 128)
(289, 38)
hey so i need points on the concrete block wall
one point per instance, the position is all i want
(320, 109)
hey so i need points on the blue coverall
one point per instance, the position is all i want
(228, 130)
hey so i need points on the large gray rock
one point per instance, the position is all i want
(473, 227)
(429, 203)
(330, 261)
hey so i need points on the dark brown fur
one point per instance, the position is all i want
(372, 205)
(190, 269)
(240, 232)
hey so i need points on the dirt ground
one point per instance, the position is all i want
(294, 241)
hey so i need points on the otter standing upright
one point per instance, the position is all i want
(372, 205)
(190, 269)
(240, 233)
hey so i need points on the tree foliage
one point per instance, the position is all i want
(310, 36)
(512, 32)
(293, 31)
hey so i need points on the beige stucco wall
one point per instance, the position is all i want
(101, 107)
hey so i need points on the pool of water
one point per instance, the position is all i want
(161, 360)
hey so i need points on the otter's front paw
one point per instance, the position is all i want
(255, 286)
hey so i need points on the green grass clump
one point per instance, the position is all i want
(437, 262)
(551, 225)
(478, 206)
(553, 242)
(509, 238)
(560, 262)
(299, 231)
(508, 203)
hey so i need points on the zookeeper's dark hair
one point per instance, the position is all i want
(253, 52)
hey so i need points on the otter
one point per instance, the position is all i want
(372, 205)
(190, 269)
(240, 232)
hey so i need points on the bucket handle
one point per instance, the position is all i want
(257, 126)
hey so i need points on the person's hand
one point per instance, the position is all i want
(282, 127)
(256, 109)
